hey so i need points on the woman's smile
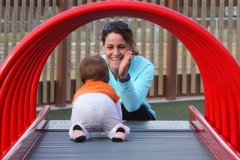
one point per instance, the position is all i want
(117, 58)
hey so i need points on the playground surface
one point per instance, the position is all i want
(148, 140)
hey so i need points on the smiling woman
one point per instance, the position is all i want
(130, 74)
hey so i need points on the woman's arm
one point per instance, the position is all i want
(134, 91)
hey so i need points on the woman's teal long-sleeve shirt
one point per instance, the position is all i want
(134, 92)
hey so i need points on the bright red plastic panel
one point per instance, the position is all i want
(21, 70)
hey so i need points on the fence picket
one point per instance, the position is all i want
(44, 71)
(152, 49)
(52, 60)
(193, 63)
(14, 25)
(6, 30)
(184, 55)
(238, 33)
(230, 25)
(203, 21)
(1, 11)
(69, 59)
(160, 56)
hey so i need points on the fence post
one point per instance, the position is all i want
(171, 75)
(61, 65)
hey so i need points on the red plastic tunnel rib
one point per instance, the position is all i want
(21, 70)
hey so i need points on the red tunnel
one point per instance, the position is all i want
(21, 70)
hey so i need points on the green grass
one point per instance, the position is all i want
(176, 110)
(164, 111)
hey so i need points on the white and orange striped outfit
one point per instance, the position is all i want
(97, 106)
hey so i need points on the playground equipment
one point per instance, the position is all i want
(21, 70)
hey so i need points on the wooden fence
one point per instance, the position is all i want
(176, 73)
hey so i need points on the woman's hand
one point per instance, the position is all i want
(98, 54)
(123, 68)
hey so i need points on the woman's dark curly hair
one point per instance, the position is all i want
(127, 34)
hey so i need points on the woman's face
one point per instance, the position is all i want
(115, 48)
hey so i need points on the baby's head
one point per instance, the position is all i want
(93, 68)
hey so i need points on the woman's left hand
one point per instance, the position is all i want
(98, 54)
(123, 68)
